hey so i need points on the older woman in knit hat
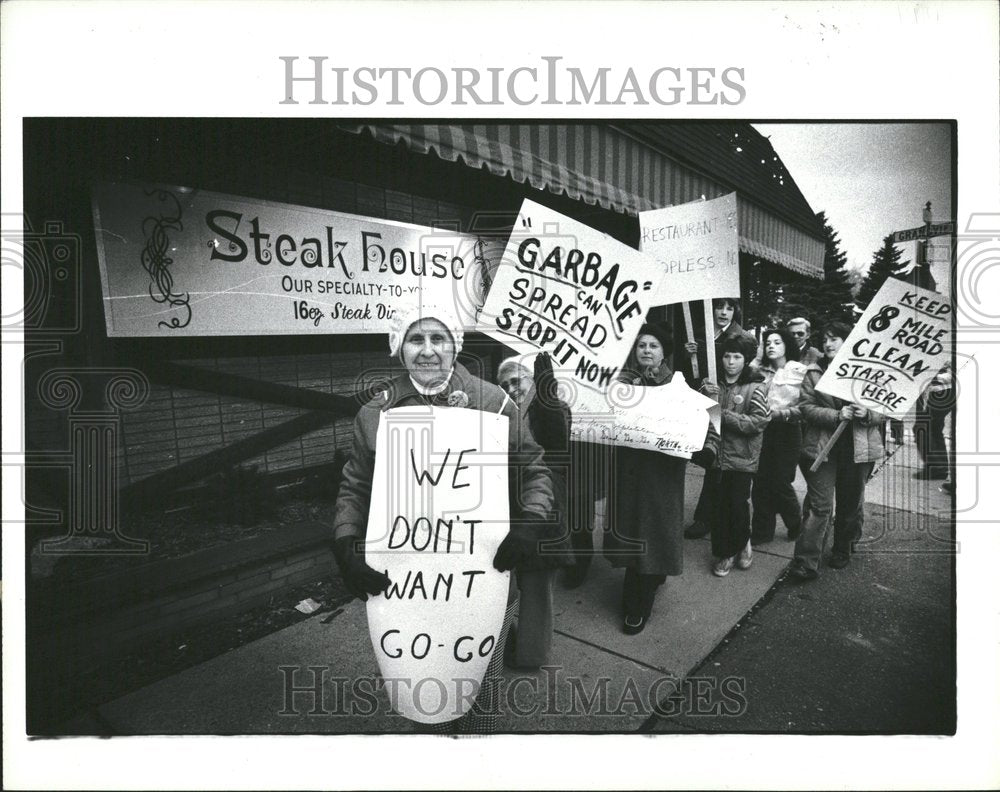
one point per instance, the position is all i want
(426, 339)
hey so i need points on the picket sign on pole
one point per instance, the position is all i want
(825, 450)
(713, 375)
(689, 328)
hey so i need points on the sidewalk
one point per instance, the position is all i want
(622, 677)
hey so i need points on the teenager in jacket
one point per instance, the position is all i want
(773, 493)
(742, 395)
(726, 316)
(845, 472)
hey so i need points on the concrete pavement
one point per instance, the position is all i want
(605, 681)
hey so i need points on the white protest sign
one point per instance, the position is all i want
(697, 244)
(670, 418)
(439, 510)
(181, 262)
(569, 290)
(900, 342)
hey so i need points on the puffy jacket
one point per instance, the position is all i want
(821, 414)
(530, 482)
(784, 390)
(745, 415)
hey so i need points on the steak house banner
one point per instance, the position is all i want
(181, 262)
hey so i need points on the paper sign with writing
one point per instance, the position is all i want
(439, 510)
(671, 418)
(567, 289)
(182, 262)
(900, 342)
(697, 245)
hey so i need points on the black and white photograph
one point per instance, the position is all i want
(357, 431)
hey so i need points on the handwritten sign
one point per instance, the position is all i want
(901, 341)
(569, 290)
(697, 245)
(671, 418)
(182, 262)
(439, 510)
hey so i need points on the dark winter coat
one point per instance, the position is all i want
(645, 503)
(530, 481)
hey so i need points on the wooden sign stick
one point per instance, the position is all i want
(689, 328)
(713, 375)
(825, 451)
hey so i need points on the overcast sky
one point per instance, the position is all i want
(870, 179)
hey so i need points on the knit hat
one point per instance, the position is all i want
(661, 332)
(526, 362)
(407, 314)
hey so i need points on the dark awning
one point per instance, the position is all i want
(627, 168)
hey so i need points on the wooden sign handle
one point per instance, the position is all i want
(825, 451)
(713, 375)
(689, 328)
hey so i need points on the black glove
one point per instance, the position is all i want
(519, 546)
(704, 458)
(359, 578)
(546, 387)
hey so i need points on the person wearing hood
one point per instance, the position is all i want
(844, 473)
(742, 395)
(427, 339)
(530, 382)
(645, 503)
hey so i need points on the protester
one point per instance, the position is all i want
(726, 316)
(645, 504)
(773, 493)
(742, 395)
(427, 343)
(844, 473)
(533, 390)
(933, 407)
(800, 328)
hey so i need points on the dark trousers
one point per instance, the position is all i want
(728, 506)
(837, 483)
(590, 465)
(928, 431)
(639, 591)
(773, 493)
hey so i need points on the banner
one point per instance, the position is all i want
(182, 262)
(901, 341)
(569, 290)
(697, 245)
(671, 418)
(439, 510)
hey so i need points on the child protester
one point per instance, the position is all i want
(742, 395)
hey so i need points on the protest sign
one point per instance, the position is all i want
(182, 262)
(671, 418)
(439, 510)
(900, 342)
(569, 290)
(697, 245)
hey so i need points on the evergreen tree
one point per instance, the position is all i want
(884, 265)
(824, 301)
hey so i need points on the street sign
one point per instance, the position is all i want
(924, 232)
